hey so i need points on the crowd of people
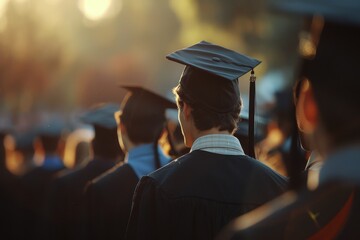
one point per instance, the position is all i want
(135, 182)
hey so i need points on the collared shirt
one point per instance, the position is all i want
(343, 165)
(314, 162)
(142, 159)
(52, 162)
(224, 144)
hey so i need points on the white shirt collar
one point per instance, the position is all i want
(224, 144)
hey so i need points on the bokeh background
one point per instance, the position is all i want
(64, 55)
(58, 58)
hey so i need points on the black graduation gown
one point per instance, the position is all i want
(64, 213)
(34, 186)
(9, 203)
(321, 214)
(109, 203)
(196, 195)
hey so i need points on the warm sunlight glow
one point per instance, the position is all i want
(94, 9)
(3, 5)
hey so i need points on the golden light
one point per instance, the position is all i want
(3, 6)
(94, 9)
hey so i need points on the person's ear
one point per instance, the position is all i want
(121, 128)
(187, 111)
(306, 109)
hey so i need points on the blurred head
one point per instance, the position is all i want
(331, 100)
(141, 120)
(301, 88)
(50, 144)
(105, 143)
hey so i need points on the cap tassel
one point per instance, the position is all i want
(251, 149)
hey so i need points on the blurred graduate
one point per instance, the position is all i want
(36, 182)
(329, 106)
(64, 210)
(9, 195)
(197, 194)
(141, 123)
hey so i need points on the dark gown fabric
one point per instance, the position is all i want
(64, 211)
(321, 214)
(332, 211)
(34, 186)
(109, 203)
(196, 195)
(9, 200)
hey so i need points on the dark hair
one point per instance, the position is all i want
(205, 119)
(336, 82)
(144, 119)
(50, 143)
(106, 143)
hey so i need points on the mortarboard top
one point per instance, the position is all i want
(338, 48)
(345, 11)
(24, 140)
(150, 98)
(210, 78)
(52, 127)
(5, 124)
(101, 115)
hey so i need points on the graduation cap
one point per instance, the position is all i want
(210, 79)
(150, 97)
(25, 140)
(344, 11)
(52, 128)
(102, 115)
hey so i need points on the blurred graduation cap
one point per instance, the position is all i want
(102, 118)
(6, 125)
(150, 97)
(210, 79)
(101, 115)
(52, 127)
(344, 11)
(24, 141)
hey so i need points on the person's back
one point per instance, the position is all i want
(64, 212)
(197, 194)
(140, 125)
(35, 183)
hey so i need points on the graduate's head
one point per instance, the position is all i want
(330, 99)
(105, 143)
(208, 95)
(50, 136)
(142, 117)
(204, 119)
(332, 95)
